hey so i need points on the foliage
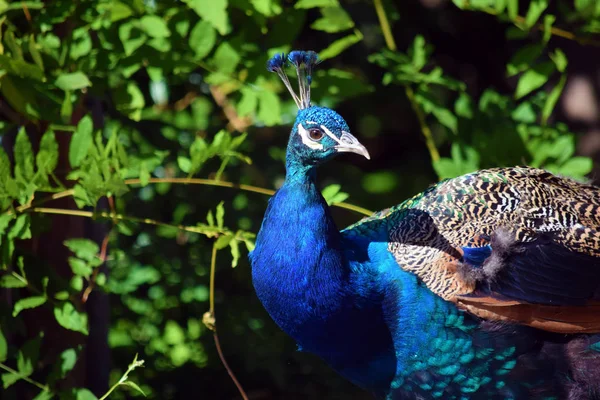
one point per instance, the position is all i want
(109, 106)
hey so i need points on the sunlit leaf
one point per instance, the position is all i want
(334, 19)
(72, 81)
(202, 38)
(3, 347)
(213, 11)
(68, 317)
(340, 45)
(28, 303)
(316, 3)
(81, 141)
(534, 78)
(23, 157)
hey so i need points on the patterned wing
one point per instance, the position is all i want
(515, 244)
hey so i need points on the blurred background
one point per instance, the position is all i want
(107, 107)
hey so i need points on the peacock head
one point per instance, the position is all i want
(319, 133)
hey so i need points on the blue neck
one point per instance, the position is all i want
(297, 266)
(304, 281)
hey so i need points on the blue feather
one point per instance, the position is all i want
(277, 62)
(297, 58)
(476, 255)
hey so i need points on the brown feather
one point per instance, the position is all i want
(560, 319)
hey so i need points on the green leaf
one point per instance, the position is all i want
(67, 361)
(536, 8)
(131, 37)
(11, 281)
(269, 108)
(3, 347)
(83, 248)
(523, 58)
(213, 11)
(173, 333)
(210, 218)
(235, 252)
(334, 19)
(81, 141)
(66, 108)
(21, 228)
(316, 3)
(21, 68)
(577, 167)
(220, 215)
(72, 81)
(464, 106)
(513, 9)
(249, 101)
(69, 318)
(552, 99)
(223, 241)
(5, 221)
(35, 54)
(534, 78)
(85, 394)
(333, 195)
(184, 164)
(226, 58)
(80, 267)
(28, 303)
(548, 21)
(44, 395)
(8, 379)
(28, 355)
(340, 45)
(23, 157)
(202, 38)
(81, 43)
(560, 60)
(47, 157)
(154, 26)
(134, 386)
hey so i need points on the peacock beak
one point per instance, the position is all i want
(350, 144)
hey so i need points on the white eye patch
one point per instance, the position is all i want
(303, 132)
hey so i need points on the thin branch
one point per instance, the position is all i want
(238, 123)
(391, 44)
(246, 188)
(429, 142)
(229, 371)
(209, 320)
(519, 20)
(385, 25)
(121, 217)
(25, 378)
(188, 181)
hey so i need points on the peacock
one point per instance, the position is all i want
(485, 286)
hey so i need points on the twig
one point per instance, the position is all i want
(238, 123)
(189, 181)
(391, 44)
(429, 142)
(553, 30)
(210, 321)
(25, 378)
(385, 25)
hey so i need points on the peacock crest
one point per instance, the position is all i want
(304, 63)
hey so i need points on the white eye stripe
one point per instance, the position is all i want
(330, 134)
(303, 132)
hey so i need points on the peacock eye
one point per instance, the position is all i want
(315, 134)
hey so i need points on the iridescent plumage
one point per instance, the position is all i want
(482, 287)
